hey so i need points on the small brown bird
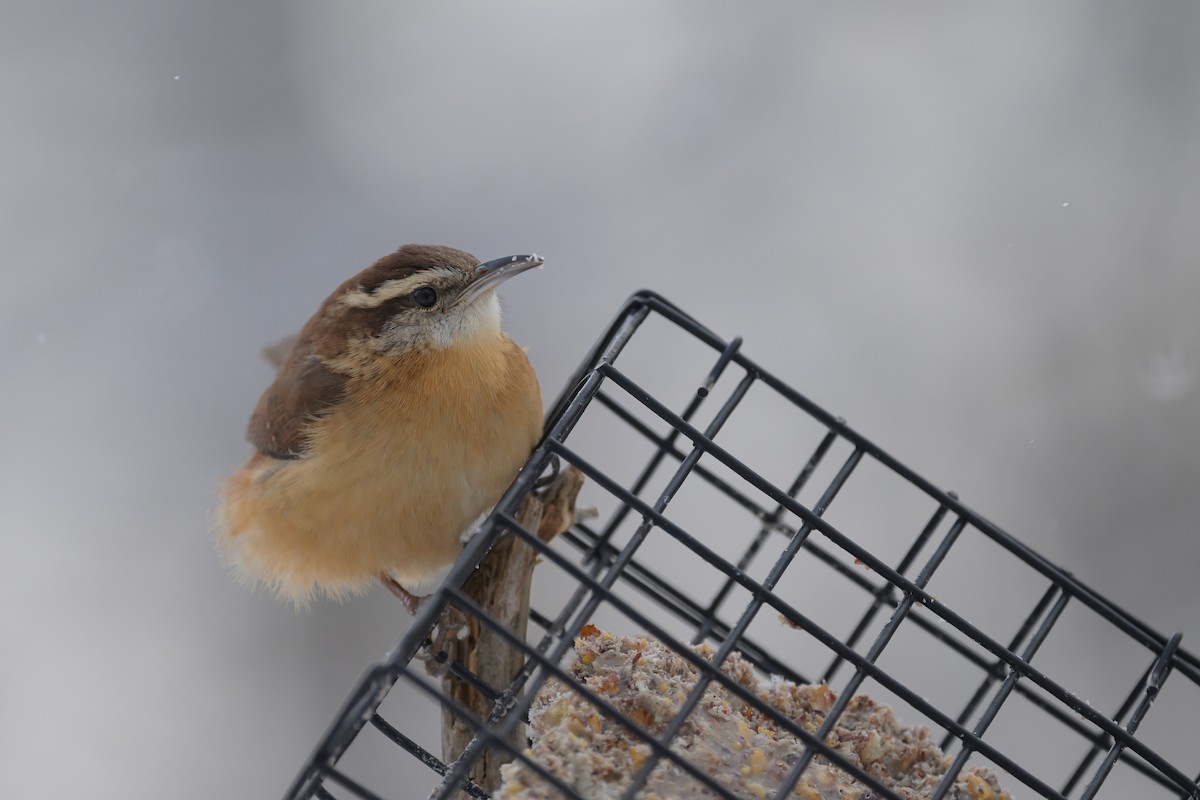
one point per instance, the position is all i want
(399, 416)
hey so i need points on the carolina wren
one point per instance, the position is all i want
(399, 416)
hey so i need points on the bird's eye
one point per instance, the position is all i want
(425, 297)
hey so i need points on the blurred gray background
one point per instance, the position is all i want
(971, 230)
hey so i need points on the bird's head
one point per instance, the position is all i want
(421, 297)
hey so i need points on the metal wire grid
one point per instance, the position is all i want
(604, 568)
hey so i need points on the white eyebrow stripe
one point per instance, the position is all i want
(358, 298)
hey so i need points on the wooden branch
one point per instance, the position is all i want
(501, 588)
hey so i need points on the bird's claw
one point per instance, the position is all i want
(555, 470)
(435, 655)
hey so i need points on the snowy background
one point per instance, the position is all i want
(981, 223)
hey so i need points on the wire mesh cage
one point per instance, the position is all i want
(786, 577)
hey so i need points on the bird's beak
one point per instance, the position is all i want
(491, 274)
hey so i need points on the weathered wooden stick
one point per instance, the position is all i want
(501, 588)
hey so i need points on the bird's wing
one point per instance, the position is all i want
(304, 389)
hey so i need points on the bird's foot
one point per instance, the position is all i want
(411, 601)
(435, 653)
(552, 473)
(449, 626)
(558, 504)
